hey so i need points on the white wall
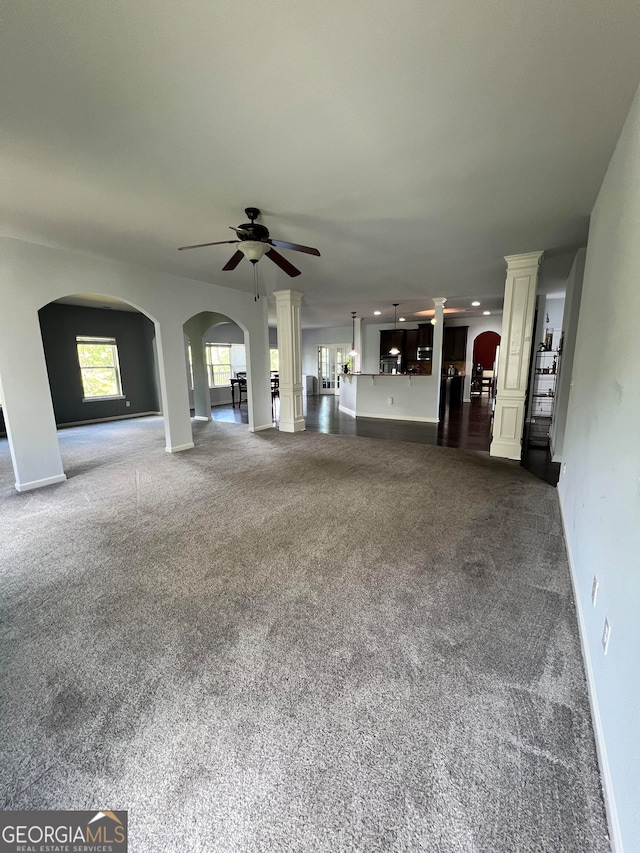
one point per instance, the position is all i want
(600, 489)
(313, 338)
(569, 327)
(403, 397)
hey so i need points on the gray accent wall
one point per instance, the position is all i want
(599, 488)
(134, 334)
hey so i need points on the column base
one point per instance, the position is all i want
(506, 450)
(294, 426)
(38, 484)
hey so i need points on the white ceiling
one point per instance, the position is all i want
(415, 143)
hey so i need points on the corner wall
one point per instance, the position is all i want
(600, 487)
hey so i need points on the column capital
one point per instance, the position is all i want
(293, 297)
(439, 301)
(529, 259)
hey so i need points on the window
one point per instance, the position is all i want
(223, 361)
(99, 367)
(273, 357)
(218, 364)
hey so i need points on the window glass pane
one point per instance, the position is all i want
(100, 383)
(273, 357)
(223, 361)
(99, 368)
(96, 355)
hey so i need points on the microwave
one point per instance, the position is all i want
(424, 353)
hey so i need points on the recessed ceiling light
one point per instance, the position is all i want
(475, 303)
(401, 319)
(377, 313)
(486, 313)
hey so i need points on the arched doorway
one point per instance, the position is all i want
(484, 356)
(101, 359)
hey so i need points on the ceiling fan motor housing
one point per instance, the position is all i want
(253, 231)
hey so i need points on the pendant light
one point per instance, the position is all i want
(354, 351)
(394, 350)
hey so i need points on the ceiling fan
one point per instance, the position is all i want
(254, 242)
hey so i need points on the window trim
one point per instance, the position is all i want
(101, 340)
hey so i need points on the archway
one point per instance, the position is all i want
(215, 357)
(223, 368)
(484, 356)
(101, 359)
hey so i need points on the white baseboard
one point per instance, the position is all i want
(178, 447)
(107, 420)
(349, 412)
(38, 484)
(261, 428)
(387, 417)
(615, 838)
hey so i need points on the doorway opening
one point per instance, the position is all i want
(332, 359)
(484, 356)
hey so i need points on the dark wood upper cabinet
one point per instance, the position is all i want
(391, 338)
(454, 345)
(425, 335)
(411, 344)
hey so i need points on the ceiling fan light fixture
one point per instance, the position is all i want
(253, 250)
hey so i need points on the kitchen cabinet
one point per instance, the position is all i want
(411, 344)
(416, 349)
(425, 335)
(391, 338)
(454, 345)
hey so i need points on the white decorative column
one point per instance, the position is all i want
(438, 335)
(515, 352)
(28, 410)
(201, 394)
(173, 387)
(357, 338)
(290, 359)
(436, 357)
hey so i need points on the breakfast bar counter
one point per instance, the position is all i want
(403, 397)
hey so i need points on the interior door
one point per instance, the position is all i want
(331, 361)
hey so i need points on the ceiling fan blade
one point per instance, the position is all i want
(283, 263)
(234, 260)
(295, 246)
(200, 245)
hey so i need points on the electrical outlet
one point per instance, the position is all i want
(594, 590)
(606, 634)
(128, 403)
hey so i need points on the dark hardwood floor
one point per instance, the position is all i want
(467, 427)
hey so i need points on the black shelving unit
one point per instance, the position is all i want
(543, 396)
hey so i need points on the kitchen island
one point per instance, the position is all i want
(400, 397)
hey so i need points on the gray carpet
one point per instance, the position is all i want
(295, 643)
